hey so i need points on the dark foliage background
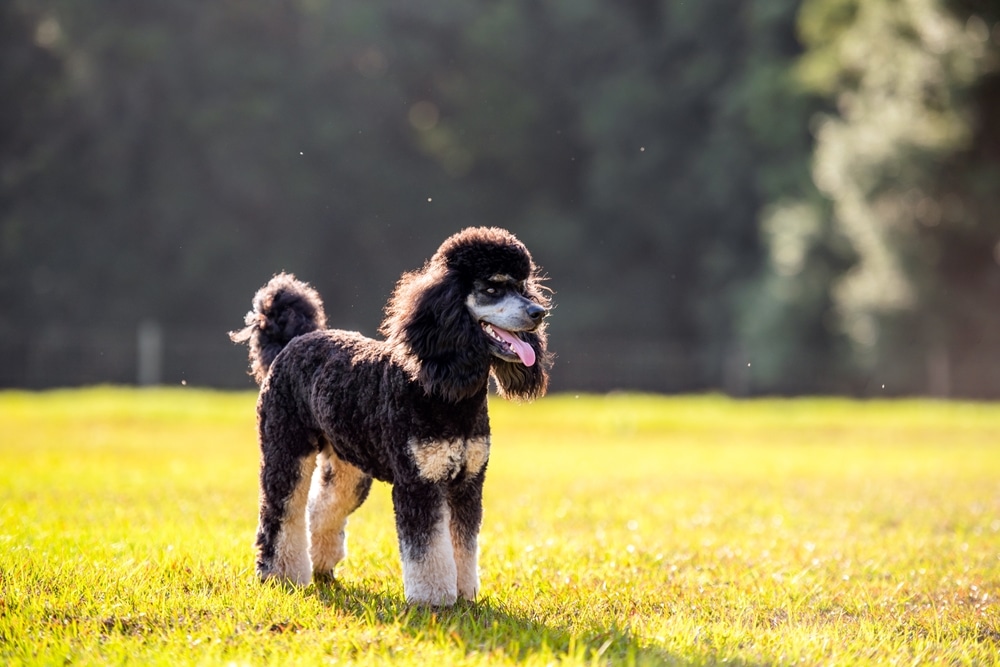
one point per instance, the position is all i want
(769, 196)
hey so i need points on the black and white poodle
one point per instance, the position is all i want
(337, 409)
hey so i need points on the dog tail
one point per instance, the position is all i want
(283, 309)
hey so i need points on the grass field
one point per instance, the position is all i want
(620, 529)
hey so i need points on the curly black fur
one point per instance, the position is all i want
(427, 317)
(410, 410)
(282, 310)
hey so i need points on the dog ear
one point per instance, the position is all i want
(428, 316)
(519, 382)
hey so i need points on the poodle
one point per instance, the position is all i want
(337, 409)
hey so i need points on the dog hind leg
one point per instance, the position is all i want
(282, 540)
(338, 488)
(282, 537)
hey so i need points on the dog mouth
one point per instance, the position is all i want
(508, 345)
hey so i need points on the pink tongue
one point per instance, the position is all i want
(524, 351)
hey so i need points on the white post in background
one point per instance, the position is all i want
(150, 358)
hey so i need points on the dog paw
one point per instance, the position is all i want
(324, 577)
(289, 580)
(432, 598)
(432, 582)
(468, 580)
(296, 576)
(327, 551)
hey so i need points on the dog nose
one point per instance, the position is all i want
(536, 312)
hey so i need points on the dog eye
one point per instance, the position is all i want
(491, 290)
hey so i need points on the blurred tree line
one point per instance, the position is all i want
(755, 196)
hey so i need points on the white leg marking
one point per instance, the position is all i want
(291, 551)
(329, 506)
(432, 580)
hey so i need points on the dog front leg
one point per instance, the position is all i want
(423, 521)
(465, 500)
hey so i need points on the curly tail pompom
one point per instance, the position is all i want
(283, 309)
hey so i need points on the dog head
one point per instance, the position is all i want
(476, 307)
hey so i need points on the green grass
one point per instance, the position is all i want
(620, 529)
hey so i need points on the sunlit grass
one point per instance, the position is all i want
(621, 529)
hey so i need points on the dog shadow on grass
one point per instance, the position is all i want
(489, 626)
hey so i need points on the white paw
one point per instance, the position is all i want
(432, 597)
